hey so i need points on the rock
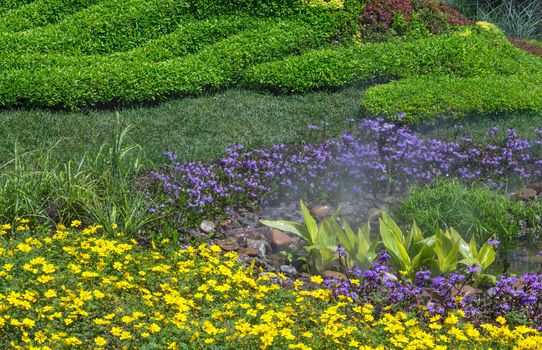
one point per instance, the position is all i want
(321, 210)
(526, 194)
(249, 219)
(242, 234)
(464, 291)
(249, 251)
(390, 277)
(347, 209)
(537, 186)
(276, 260)
(198, 234)
(207, 226)
(279, 239)
(373, 213)
(262, 246)
(390, 200)
(288, 269)
(334, 275)
(229, 244)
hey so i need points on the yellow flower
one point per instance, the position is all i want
(451, 319)
(317, 279)
(100, 341)
(50, 293)
(501, 320)
(75, 223)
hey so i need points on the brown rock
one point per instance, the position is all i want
(334, 275)
(229, 244)
(279, 239)
(537, 186)
(249, 251)
(464, 291)
(321, 210)
(526, 194)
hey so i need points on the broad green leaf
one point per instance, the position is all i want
(310, 223)
(289, 226)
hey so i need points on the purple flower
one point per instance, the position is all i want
(494, 242)
(472, 269)
(341, 251)
(313, 127)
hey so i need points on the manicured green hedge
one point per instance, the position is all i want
(40, 13)
(189, 38)
(428, 97)
(472, 55)
(119, 80)
(7, 5)
(110, 26)
(206, 8)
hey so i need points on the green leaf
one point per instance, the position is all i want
(289, 226)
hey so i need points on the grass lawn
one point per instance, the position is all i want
(195, 128)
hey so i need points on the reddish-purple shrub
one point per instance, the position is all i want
(384, 18)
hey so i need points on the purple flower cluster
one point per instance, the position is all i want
(517, 296)
(371, 157)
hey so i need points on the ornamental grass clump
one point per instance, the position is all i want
(74, 288)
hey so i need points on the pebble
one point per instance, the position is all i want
(262, 246)
(279, 239)
(253, 252)
(526, 194)
(229, 244)
(288, 269)
(321, 210)
(334, 275)
(207, 226)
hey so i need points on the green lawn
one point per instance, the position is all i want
(202, 127)
(195, 128)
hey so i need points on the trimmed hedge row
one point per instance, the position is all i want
(119, 80)
(189, 38)
(7, 5)
(475, 54)
(205, 8)
(428, 97)
(110, 26)
(40, 13)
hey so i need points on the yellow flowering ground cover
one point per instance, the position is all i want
(74, 288)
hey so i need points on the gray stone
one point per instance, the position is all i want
(207, 226)
(288, 269)
(390, 277)
(262, 246)
(373, 213)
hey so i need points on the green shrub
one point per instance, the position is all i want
(118, 80)
(40, 13)
(189, 38)
(429, 97)
(455, 54)
(109, 26)
(7, 5)
(206, 8)
(474, 211)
